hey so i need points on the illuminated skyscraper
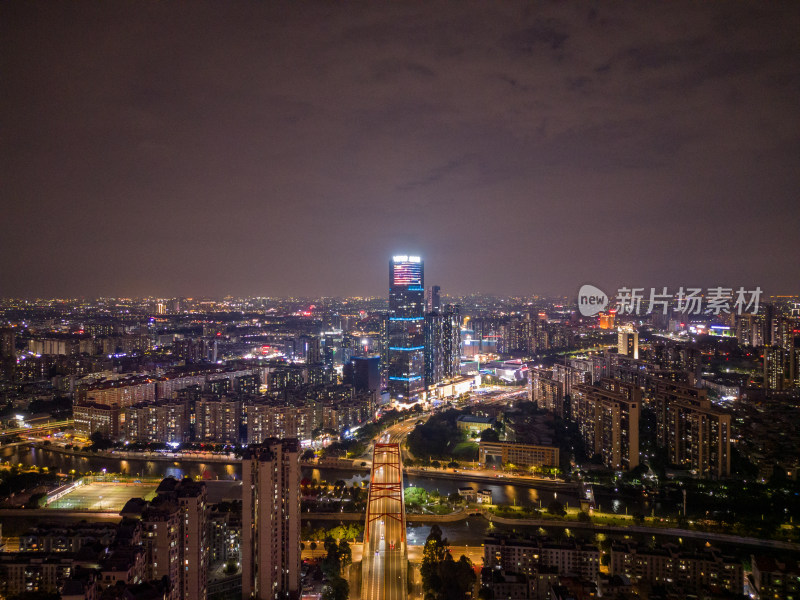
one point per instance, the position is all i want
(442, 345)
(432, 301)
(628, 341)
(406, 329)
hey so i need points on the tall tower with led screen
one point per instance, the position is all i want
(406, 329)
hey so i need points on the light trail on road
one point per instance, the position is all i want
(384, 556)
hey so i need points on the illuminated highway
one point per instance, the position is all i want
(385, 555)
(33, 429)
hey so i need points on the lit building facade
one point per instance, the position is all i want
(174, 526)
(91, 417)
(775, 368)
(608, 419)
(271, 520)
(696, 434)
(628, 341)
(406, 330)
(442, 346)
(523, 455)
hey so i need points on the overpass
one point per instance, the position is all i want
(49, 427)
(384, 563)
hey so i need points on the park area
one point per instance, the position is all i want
(103, 496)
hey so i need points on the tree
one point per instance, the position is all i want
(490, 435)
(308, 455)
(485, 593)
(99, 441)
(457, 577)
(556, 508)
(345, 553)
(432, 554)
(597, 459)
(336, 589)
(584, 517)
(442, 577)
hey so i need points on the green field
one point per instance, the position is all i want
(465, 451)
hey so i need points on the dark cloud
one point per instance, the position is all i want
(266, 148)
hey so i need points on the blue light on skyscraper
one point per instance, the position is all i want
(406, 329)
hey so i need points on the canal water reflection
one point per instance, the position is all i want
(501, 493)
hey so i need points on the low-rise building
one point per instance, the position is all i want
(523, 455)
(484, 496)
(474, 424)
(668, 565)
(528, 556)
(468, 494)
(66, 537)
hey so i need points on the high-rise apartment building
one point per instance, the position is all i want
(608, 419)
(276, 418)
(442, 345)
(174, 534)
(190, 496)
(406, 329)
(433, 302)
(8, 354)
(164, 421)
(775, 363)
(218, 419)
(518, 336)
(696, 434)
(91, 418)
(271, 520)
(699, 437)
(546, 392)
(628, 341)
(364, 373)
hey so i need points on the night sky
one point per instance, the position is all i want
(159, 148)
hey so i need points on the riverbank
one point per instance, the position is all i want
(599, 527)
(493, 479)
(201, 457)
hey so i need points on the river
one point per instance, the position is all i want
(501, 493)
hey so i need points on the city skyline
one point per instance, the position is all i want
(173, 150)
(583, 377)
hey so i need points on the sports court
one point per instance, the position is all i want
(104, 496)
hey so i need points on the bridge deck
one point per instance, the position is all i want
(385, 555)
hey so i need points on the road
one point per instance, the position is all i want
(397, 434)
(474, 552)
(385, 563)
(37, 429)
